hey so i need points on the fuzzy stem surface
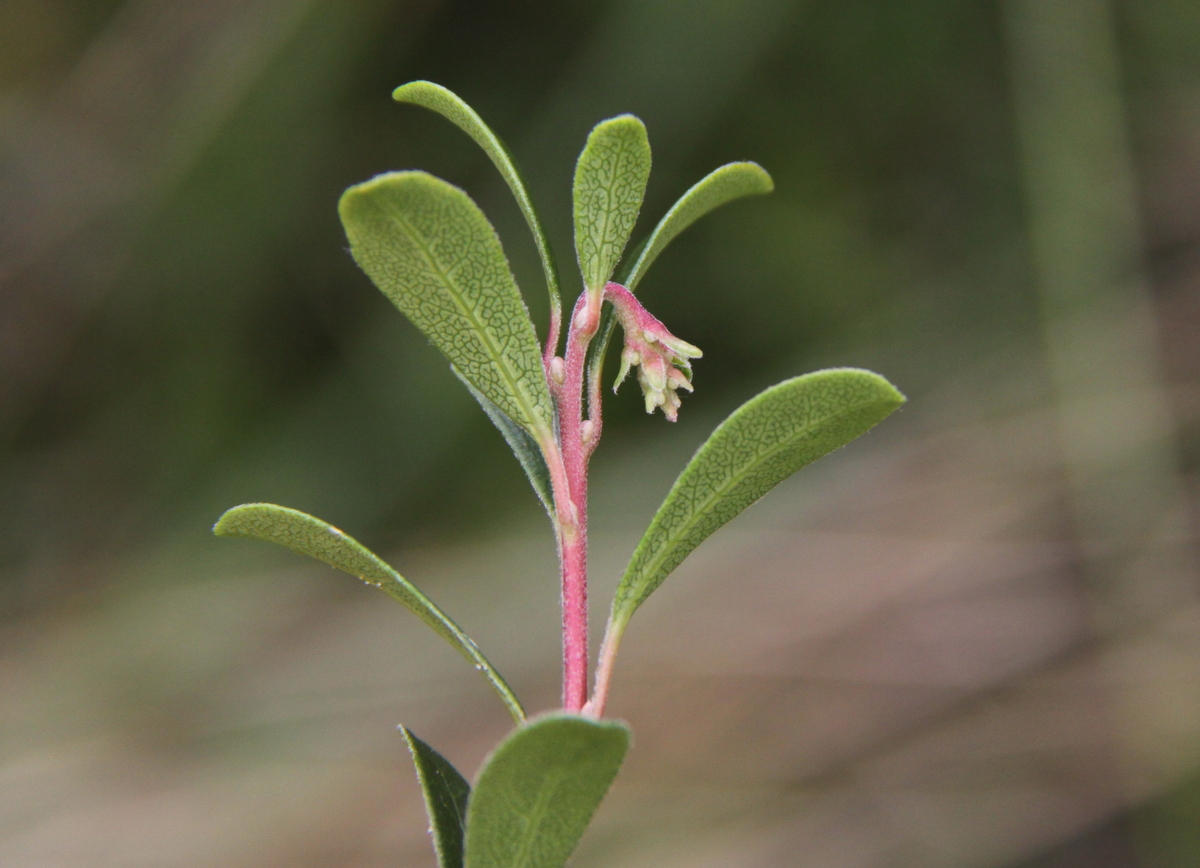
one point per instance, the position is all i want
(571, 499)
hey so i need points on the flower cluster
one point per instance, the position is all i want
(663, 360)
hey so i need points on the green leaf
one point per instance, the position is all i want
(761, 444)
(446, 794)
(538, 790)
(523, 446)
(722, 185)
(610, 181)
(429, 248)
(450, 106)
(310, 536)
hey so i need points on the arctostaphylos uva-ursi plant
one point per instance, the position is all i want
(434, 254)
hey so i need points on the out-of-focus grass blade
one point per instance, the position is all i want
(610, 182)
(446, 793)
(761, 444)
(523, 446)
(452, 107)
(538, 791)
(310, 536)
(429, 248)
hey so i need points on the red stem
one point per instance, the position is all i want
(570, 496)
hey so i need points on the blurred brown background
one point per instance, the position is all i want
(970, 639)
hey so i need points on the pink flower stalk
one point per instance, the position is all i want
(663, 360)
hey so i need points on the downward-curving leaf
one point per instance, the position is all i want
(451, 106)
(610, 181)
(538, 791)
(762, 443)
(429, 248)
(724, 184)
(310, 536)
(446, 794)
(523, 446)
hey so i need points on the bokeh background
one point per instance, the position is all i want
(970, 639)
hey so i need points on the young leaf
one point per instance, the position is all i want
(523, 446)
(450, 106)
(446, 794)
(310, 536)
(761, 444)
(610, 181)
(429, 248)
(538, 791)
(724, 184)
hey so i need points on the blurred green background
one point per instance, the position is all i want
(974, 638)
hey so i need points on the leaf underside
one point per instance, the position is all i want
(432, 252)
(762, 443)
(308, 535)
(452, 107)
(538, 790)
(523, 446)
(446, 793)
(610, 182)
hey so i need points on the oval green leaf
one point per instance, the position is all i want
(761, 444)
(310, 536)
(446, 793)
(722, 185)
(431, 251)
(610, 182)
(452, 107)
(538, 790)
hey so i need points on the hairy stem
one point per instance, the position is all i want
(551, 349)
(570, 496)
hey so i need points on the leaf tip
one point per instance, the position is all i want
(886, 392)
(405, 92)
(229, 523)
(765, 183)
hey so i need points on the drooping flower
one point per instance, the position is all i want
(663, 360)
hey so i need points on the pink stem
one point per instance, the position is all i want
(551, 349)
(571, 503)
(604, 669)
